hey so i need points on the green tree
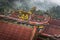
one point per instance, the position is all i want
(54, 12)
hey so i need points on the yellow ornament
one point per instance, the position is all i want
(41, 26)
(30, 12)
(26, 17)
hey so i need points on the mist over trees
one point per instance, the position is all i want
(53, 11)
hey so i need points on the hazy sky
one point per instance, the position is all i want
(56, 1)
(53, 1)
(44, 4)
(40, 4)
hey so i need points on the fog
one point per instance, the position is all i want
(39, 4)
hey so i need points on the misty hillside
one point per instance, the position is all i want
(55, 12)
(51, 6)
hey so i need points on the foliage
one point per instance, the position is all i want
(54, 12)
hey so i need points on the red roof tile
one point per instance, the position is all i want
(10, 31)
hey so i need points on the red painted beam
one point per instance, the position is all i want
(54, 22)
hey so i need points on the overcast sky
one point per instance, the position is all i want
(40, 4)
(53, 1)
(44, 4)
(56, 1)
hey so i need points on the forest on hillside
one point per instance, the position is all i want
(53, 11)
